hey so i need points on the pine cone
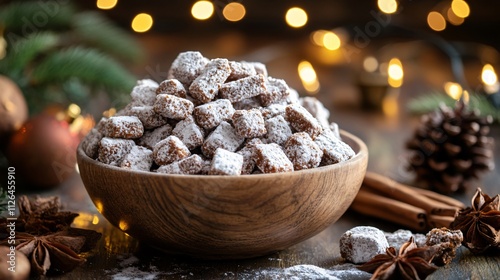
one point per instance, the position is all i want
(451, 148)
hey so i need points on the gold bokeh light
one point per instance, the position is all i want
(142, 22)
(308, 77)
(436, 21)
(460, 8)
(387, 6)
(202, 10)
(234, 11)
(296, 17)
(370, 64)
(395, 72)
(453, 19)
(106, 4)
(331, 41)
(454, 90)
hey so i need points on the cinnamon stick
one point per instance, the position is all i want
(389, 209)
(406, 194)
(436, 221)
(439, 197)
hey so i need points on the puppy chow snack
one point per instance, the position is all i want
(334, 150)
(151, 137)
(90, 144)
(144, 93)
(316, 108)
(224, 136)
(278, 130)
(149, 118)
(277, 90)
(190, 165)
(139, 158)
(301, 120)
(225, 162)
(240, 70)
(173, 107)
(302, 151)
(447, 241)
(206, 86)
(205, 105)
(260, 68)
(273, 110)
(361, 244)
(112, 150)
(169, 150)
(249, 123)
(210, 115)
(247, 104)
(172, 87)
(128, 127)
(187, 66)
(270, 158)
(189, 133)
(243, 88)
(247, 152)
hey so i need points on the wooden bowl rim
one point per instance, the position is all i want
(363, 152)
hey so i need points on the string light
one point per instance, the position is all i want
(395, 71)
(436, 21)
(460, 8)
(370, 64)
(142, 22)
(387, 6)
(308, 77)
(317, 37)
(202, 10)
(234, 11)
(454, 90)
(296, 17)
(331, 41)
(453, 19)
(490, 79)
(106, 4)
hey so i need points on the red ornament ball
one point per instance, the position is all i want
(43, 151)
(13, 108)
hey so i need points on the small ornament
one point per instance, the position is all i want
(480, 224)
(451, 148)
(13, 108)
(16, 269)
(409, 263)
(43, 151)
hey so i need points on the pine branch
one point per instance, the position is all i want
(22, 52)
(109, 38)
(430, 102)
(3, 200)
(28, 17)
(89, 66)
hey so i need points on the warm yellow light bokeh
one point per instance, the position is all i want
(454, 90)
(395, 72)
(234, 11)
(387, 6)
(308, 77)
(106, 4)
(317, 37)
(296, 17)
(142, 22)
(202, 10)
(460, 8)
(331, 41)
(454, 19)
(370, 64)
(436, 21)
(488, 75)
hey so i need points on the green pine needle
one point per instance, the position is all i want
(109, 38)
(22, 52)
(89, 66)
(3, 200)
(28, 17)
(430, 102)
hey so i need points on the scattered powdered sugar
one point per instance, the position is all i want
(129, 271)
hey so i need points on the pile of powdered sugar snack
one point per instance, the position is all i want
(217, 117)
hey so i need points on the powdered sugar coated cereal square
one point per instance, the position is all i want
(169, 150)
(90, 144)
(151, 137)
(277, 90)
(187, 66)
(190, 165)
(144, 93)
(149, 118)
(172, 87)
(247, 152)
(225, 162)
(270, 158)
(302, 151)
(243, 88)
(240, 70)
(173, 107)
(211, 114)
(249, 123)
(301, 120)
(334, 150)
(128, 127)
(139, 158)
(206, 86)
(112, 150)
(278, 130)
(189, 133)
(224, 136)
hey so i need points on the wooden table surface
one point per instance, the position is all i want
(118, 255)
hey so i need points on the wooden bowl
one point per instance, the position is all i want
(224, 217)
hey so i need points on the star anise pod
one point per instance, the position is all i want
(480, 224)
(409, 263)
(56, 251)
(42, 215)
